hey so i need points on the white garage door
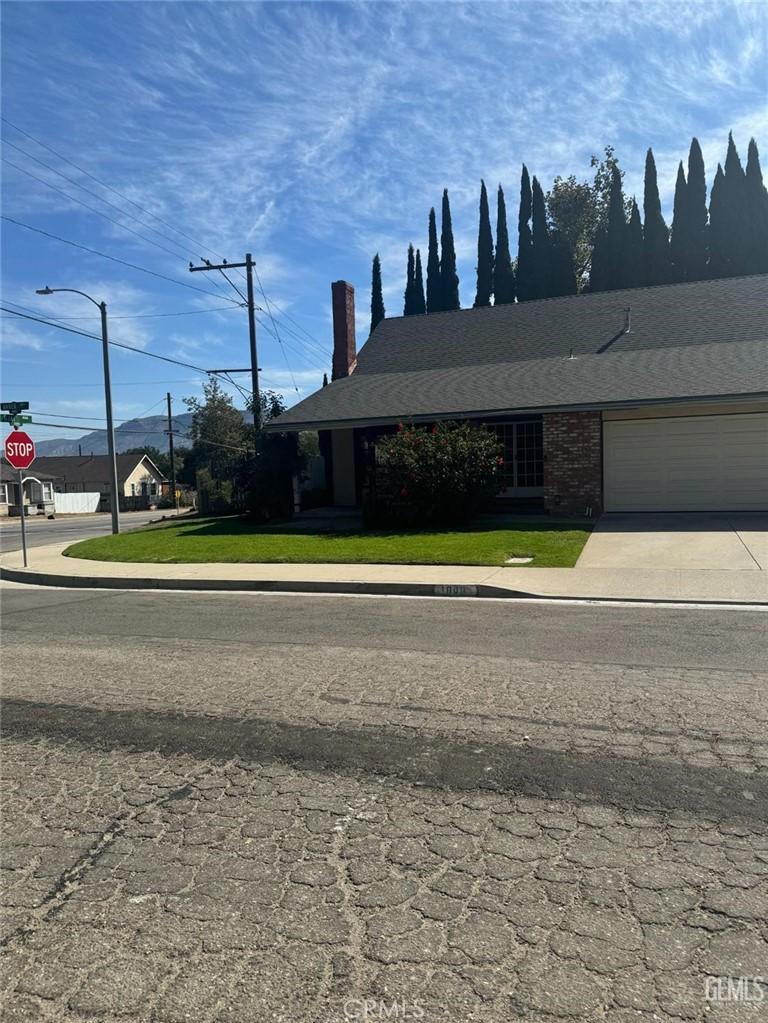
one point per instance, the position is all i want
(686, 463)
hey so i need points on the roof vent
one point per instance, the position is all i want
(628, 319)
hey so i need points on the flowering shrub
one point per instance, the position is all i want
(434, 476)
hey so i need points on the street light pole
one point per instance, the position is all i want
(114, 497)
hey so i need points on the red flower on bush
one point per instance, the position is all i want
(403, 492)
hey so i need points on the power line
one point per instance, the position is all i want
(114, 259)
(95, 337)
(99, 213)
(143, 433)
(103, 184)
(145, 316)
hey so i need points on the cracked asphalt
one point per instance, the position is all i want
(233, 807)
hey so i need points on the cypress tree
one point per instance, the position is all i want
(484, 252)
(655, 231)
(449, 279)
(325, 379)
(697, 233)
(679, 242)
(540, 249)
(737, 240)
(616, 236)
(524, 240)
(410, 281)
(419, 305)
(377, 299)
(434, 290)
(503, 274)
(719, 227)
(757, 206)
(598, 264)
(633, 259)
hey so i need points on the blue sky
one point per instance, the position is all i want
(315, 135)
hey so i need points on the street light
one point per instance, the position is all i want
(102, 307)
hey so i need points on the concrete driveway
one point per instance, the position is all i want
(679, 540)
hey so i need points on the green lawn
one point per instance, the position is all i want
(234, 540)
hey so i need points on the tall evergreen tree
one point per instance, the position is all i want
(719, 227)
(484, 252)
(598, 264)
(448, 277)
(325, 379)
(503, 274)
(377, 299)
(679, 242)
(633, 256)
(697, 244)
(540, 260)
(562, 268)
(757, 204)
(655, 231)
(434, 287)
(410, 283)
(419, 304)
(616, 236)
(737, 242)
(524, 273)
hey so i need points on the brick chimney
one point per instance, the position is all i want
(344, 344)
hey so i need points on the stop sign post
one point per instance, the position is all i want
(20, 453)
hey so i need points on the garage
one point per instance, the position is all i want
(686, 463)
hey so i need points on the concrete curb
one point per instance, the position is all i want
(392, 589)
(404, 589)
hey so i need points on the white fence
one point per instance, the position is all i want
(75, 504)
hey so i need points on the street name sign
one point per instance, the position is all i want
(19, 449)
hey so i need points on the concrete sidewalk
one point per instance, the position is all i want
(49, 567)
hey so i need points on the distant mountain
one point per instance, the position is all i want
(135, 433)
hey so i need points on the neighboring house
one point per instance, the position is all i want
(650, 399)
(139, 480)
(38, 491)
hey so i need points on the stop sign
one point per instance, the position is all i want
(19, 449)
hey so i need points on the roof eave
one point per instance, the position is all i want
(346, 424)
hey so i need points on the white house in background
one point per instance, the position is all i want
(38, 491)
(140, 482)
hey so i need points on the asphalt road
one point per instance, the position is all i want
(64, 529)
(254, 808)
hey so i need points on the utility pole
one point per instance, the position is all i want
(170, 451)
(248, 267)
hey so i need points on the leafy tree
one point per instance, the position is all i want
(697, 229)
(484, 252)
(162, 459)
(540, 246)
(377, 299)
(525, 284)
(757, 204)
(419, 304)
(410, 284)
(679, 239)
(448, 277)
(656, 233)
(577, 209)
(599, 263)
(434, 286)
(503, 273)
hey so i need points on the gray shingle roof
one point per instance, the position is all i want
(89, 468)
(701, 340)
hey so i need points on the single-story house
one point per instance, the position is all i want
(38, 491)
(649, 399)
(139, 480)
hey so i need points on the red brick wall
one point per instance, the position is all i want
(573, 462)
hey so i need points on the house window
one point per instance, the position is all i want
(133, 489)
(47, 491)
(153, 489)
(3, 493)
(523, 454)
